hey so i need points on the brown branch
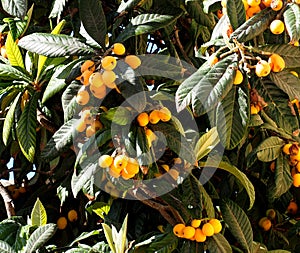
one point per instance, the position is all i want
(185, 56)
(44, 122)
(10, 210)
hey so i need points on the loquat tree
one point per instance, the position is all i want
(150, 126)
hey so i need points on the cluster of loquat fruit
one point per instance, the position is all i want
(292, 150)
(153, 117)
(97, 77)
(120, 165)
(266, 222)
(62, 221)
(198, 230)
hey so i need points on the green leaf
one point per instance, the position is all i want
(205, 90)
(57, 81)
(9, 119)
(237, 173)
(60, 141)
(8, 231)
(108, 235)
(279, 251)
(16, 8)
(39, 237)
(236, 13)
(232, 117)
(238, 223)
(22, 236)
(277, 109)
(6, 248)
(54, 45)
(84, 235)
(289, 53)
(166, 244)
(9, 73)
(42, 59)
(254, 26)
(287, 82)
(70, 106)
(120, 238)
(57, 8)
(100, 208)
(38, 214)
(283, 178)
(195, 10)
(269, 149)
(146, 23)
(128, 5)
(292, 21)
(175, 140)
(206, 143)
(26, 128)
(94, 20)
(118, 115)
(218, 244)
(13, 52)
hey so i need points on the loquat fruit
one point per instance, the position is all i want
(276, 62)
(96, 79)
(143, 119)
(108, 62)
(266, 3)
(89, 131)
(154, 117)
(212, 60)
(252, 10)
(174, 174)
(296, 180)
(208, 229)
(72, 215)
(238, 79)
(164, 114)
(276, 5)
(286, 148)
(81, 126)
(108, 77)
(120, 161)
(216, 225)
(62, 222)
(277, 26)
(83, 97)
(178, 229)
(271, 214)
(98, 92)
(85, 77)
(132, 166)
(253, 109)
(165, 167)
(262, 68)
(96, 125)
(253, 2)
(292, 208)
(195, 223)
(126, 175)
(87, 117)
(265, 223)
(105, 161)
(118, 49)
(199, 235)
(88, 65)
(133, 61)
(188, 232)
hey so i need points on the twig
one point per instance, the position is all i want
(10, 210)
(44, 122)
(185, 56)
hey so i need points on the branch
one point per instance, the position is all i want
(44, 122)
(10, 210)
(185, 56)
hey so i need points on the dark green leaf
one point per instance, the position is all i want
(17, 8)
(9, 118)
(118, 115)
(8, 231)
(57, 81)
(39, 237)
(218, 244)
(128, 5)
(70, 106)
(60, 141)
(146, 23)
(289, 53)
(269, 149)
(236, 13)
(292, 21)
(10, 73)
(283, 178)
(254, 26)
(54, 45)
(57, 8)
(195, 9)
(6, 248)
(278, 109)
(232, 117)
(166, 245)
(93, 20)
(26, 129)
(204, 89)
(238, 223)
(236, 172)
